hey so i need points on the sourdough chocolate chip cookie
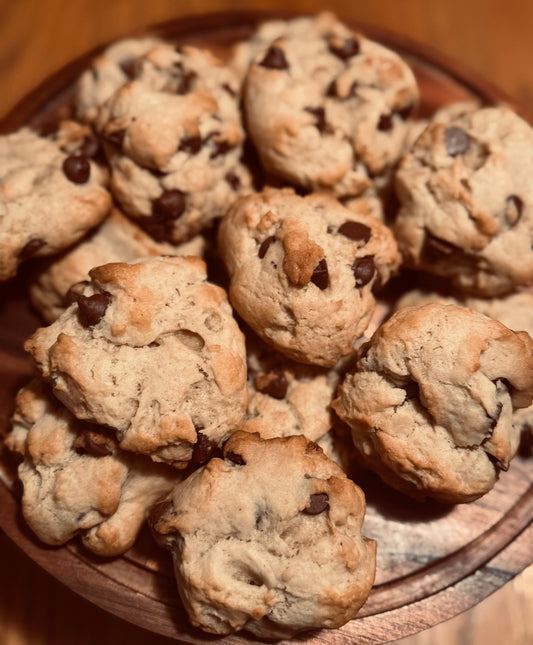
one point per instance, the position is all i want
(467, 202)
(174, 142)
(150, 349)
(328, 111)
(49, 198)
(302, 271)
(112, 69)
(432, 397)
(285, 553)
(56, 281)
(76, 481)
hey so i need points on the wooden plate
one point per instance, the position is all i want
(434, 561)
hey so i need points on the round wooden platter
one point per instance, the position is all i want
(434, 561)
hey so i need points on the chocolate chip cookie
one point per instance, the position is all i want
(303, 270)
(268, 539)
(432, 397)
(150, 349)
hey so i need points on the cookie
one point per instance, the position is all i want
(286, 397)
(49, 198)
(150, 349)
(76, 481)
(108, 71)
(467, 204)
(328, 111)
(174, 142)
(117, 239)
(431, 400)
(267, 539)
(303, 269)
(514, 311)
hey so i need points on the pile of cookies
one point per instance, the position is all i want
(212, 246)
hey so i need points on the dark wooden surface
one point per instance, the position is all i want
(433, 562)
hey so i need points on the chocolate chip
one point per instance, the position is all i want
(77, 169)
(30, 248)
(190, 144)
(320, 116)
(235, 458)
(221, 148)
(363, 270)
(274, 383)
(274, 58)
(265, 244)
(320, 275)
(385, 123)
(318, 503)
(456, 141)
(91, 309)
(355, 231)
(350, 47)
(229, 90)
(513, 209)
(203, 448)
(233, 181)
(170, 205)
(115, 138)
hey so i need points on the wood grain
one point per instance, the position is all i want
(37, 38)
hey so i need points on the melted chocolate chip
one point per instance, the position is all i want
(274, 384)
(229, 90)
(405, 111)
(320, 116)
(318, 503)
(355, 231)
(320, 275)
(159, 510)
(185, 80)
(274, 59)
(265, 244)
(385, 123)
(332, 89)
(30, 248)
(77, 169)
(190, 144)
(363, 270)
(91, 309)
(513, 209)
(456, 141)
(233, 181)
(235, 458)
(350, 47)
(74, 292)
(203, 448)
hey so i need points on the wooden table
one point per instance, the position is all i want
(490, 37)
